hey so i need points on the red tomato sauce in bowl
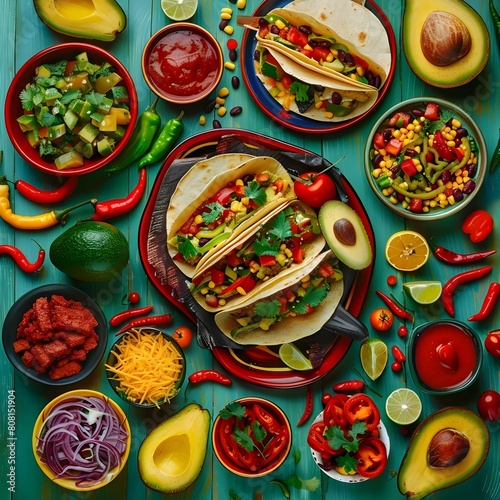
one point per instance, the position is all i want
(445, 356)
(182, 63)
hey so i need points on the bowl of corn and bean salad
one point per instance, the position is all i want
(425, 158)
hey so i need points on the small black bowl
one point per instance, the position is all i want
(25, 303)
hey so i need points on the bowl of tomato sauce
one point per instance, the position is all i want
(445, 356)
(251, 437)
(182, 63)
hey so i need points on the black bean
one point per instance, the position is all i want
(417, 112)
(216, 124)
(341, 54)
(304, 28)
(236, 111)
(472, 170)
(275, 30)
(377, 82)
(458, 195)
(262, 22)
(247, 179)
(336, 98)
(233, 55)
(376, 160)
(235, 82)
(256, 56)
(411, 153)
(387, 133)
(223, 24)
(210, 105)
(462, 132)
(446, 176)
(469, 186)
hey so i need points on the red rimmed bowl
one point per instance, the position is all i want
(13, 106)
(269, 417)
(182, 63)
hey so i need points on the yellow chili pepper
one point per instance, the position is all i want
(40, 221)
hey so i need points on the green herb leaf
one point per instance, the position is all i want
(357, 428)
(279, 226)
(232, 409)
(215, 211)
(265, 247)
(186, 248)
(297, 455)
(70, 95)
(46, 148)
(255, 192)
(267, 309)
(300, 91)
(258, 431)
(243, 438)
(431, 127)
(57, 68)
(304, 484)
(347, 461)
(312, 298)
(31, 96)
(94, 98)
(337, 440)
(233, 495)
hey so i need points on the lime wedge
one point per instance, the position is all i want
(293, 357)
(373, 354)
(403, 406)
(179, 10)
(423, 292)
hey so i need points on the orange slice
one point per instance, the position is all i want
(407, 250)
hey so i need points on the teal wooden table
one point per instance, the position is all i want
(22, 35)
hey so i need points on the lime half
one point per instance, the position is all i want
(423, 292)
(293, 357)
(373, 354)
(403, 406)
(179, 10)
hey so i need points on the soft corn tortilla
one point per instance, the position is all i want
(313, 247)
(325, 17)
(362, 100)
(203, 181)
(290, 328)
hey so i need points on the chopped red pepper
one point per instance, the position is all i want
(267, 260)
(266, 419)
(400, 119)
(442, 148)
(393, 147)
(246, 283)
(408, 167)
(372, 457)
(317, 441)
(432, 111)
(361, 408)
(478, 225)
(333, 414)
(297, 37)
(379, 141)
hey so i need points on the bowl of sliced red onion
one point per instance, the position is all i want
(81, 440)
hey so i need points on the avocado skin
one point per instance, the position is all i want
(103, 24)
(416, 479)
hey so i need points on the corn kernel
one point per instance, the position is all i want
(227, 9)
(198, 219)
(451, 144)
(225, 15)
(202, 120)
(228, 30)
(239, 182)
(394, 200)
(382, 164)
(221, 111)
(241, 290)
(204, 291)
(235, 206)
(425, 209)
(281, 259)
(329, 57)
(329, 115)
(288, 253)
(376, 172)
(228, 64)
(411, 134)
(410, 126)
(456, 123)
(459, 179)
(360, 70)
(220, 101)
(245, 201)
(307, 47)
(223, 92)
(397, 134)
(211, 284)
(318, 104)
(222, 302)
(279, 24)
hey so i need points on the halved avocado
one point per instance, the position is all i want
(460, 71)
(345, 234)
(95, 19)
(172, 455)
(417, 478)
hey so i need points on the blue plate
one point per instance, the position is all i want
(272, 108)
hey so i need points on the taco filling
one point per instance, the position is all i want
(214, 220)
(299, 299)
(279, 243)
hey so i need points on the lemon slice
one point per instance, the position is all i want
(403, 406)
(407, 250)
(423, 292)
(179, 10)
(373, 354)
(293, 357)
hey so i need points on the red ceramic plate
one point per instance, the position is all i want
(273, 109)
(257, 365)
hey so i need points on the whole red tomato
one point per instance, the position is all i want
(315, 189)
(492, 343)
(183, 335)
(488, 405)
(381, 319)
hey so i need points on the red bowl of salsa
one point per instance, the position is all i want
(182, 63)
(445, 356)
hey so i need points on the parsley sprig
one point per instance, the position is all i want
(215, 210)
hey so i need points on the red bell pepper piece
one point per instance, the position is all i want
(478, 225)
(267, 260)
(442, 148)
(266, 419)
(333, 414)
(432, 111)
(225, 195)
(372, 457)
(317, 441)
(393, 147)
(297, 37)
(408, 167)
(320, 53)
(416, 205)
(233, 259)
(217, 276)
(246, 283)
(379, 141)
(400, 119)
(361, 408)
(297, 251)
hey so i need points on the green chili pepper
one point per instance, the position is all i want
(170, 133)
(495, 16)
(495, 159)
(424, 195)
(144, 133)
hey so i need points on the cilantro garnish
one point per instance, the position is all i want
(242, 437)
(215, 211)
(57, 68)
(267, 309)
(31, 96)
(186, 248)
(255, 192)
(347, 461)
(300, 89)
(432, 126)
(280, 227)
(265, 247)
(304, 484)
(233, 409)
(47, 119)
(312, 298)
(46, 148)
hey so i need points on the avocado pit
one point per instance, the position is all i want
(447, 448)
(345, 232)
(444, 38)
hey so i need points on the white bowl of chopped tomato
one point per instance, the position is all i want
(251, 437)
(348, 440)
(425, 158)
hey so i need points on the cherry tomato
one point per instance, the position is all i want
(133, 297)
(183, 335)
(402, 331)
(315, 189)
(325, 398)
(492, 343)
(488, 405)
(381, 319)
(392, 280)
(396, 366)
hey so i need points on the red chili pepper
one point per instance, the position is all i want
(361, 408)
(163, 319)
(277, 444)
(21, 260)
(309, 407)
(333, 414)
(349, 386)
(325, 398)
(371, 457)
(395, 307)
(119, 206)
(478, 225)
(211, 375)
(317, 441)
(450, 286)
(451, 257)
(398, 354)
(37, 195)
(129, 313)
(266, 419)
(489, 302)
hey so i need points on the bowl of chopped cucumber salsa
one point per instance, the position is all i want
(425, 158)
(70, 109)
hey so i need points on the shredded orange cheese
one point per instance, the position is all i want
(147, 367)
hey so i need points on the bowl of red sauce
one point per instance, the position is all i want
(182, 63)
(445, 356)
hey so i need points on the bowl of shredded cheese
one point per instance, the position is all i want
(146, 367)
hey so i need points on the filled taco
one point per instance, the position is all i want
(308, 93)
(286, 239)
(227, 204)
(317, 45)
(293, 308)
